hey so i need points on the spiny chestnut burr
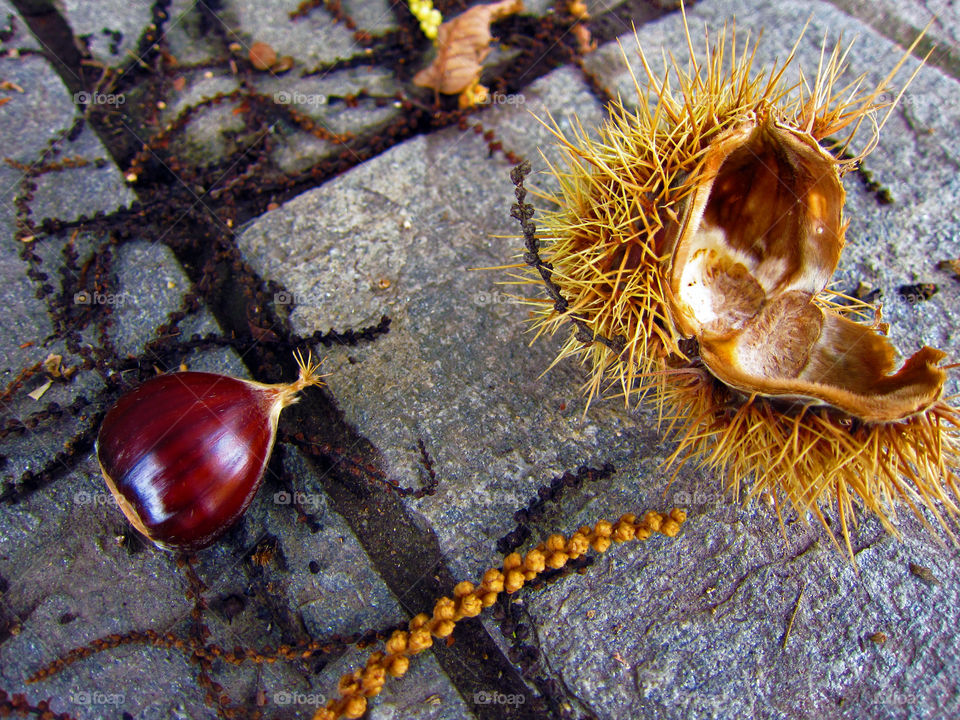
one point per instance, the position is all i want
(689, 256)
(184, 453)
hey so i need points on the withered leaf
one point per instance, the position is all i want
(462, 45)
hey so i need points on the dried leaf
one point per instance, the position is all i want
(262, 56)
(950, 266)
(463, 43)
(585, 42)
(925, 574)
(38, 393)
(51, 365)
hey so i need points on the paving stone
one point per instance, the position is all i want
(97, 186)
(217, 132)
(418, 217)
(44, 114)
(149, 285)
(190, 33)
(111, 28)
(322, 98)
(212, 132)
(310, 40)
(704, 663)
(58, 552)
(347, 595)
(30, 120)
(903, 21)
(56, 601)
(21, 37)
(93, 580)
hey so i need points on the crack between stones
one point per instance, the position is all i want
(409, 561)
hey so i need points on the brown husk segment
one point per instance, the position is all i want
(722, 179)
(766, 220)
(125, 506)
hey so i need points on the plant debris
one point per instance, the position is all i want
(462, 45)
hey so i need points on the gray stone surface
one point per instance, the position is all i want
(321, 98)
(690, 628)
(903, 21)
(98, 186)
(88, 576)
(43, 114)
(149, 279)
(454, 369)
(212, 132)
(217, 132)
(713, 647)
(21, 38)
(185, 36)
(106, 589)
(310, 40)
(345, 596)
(109, 590)
(100, 21)
(635, 636)
(86, 586)
(69, 580)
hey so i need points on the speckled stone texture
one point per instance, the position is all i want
(694, 628)
(65, 577)
(736, 617)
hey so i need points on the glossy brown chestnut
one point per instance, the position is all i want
(184, 454)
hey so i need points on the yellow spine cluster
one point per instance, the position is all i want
(469, 600)
(428, 16)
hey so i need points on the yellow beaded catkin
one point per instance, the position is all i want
(428, 16)
(469, 600)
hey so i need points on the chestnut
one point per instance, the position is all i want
(184, 453)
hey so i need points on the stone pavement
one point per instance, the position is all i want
(696, 627)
